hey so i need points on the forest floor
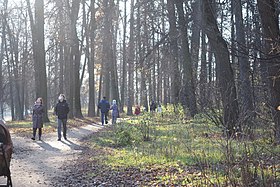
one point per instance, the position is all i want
(38, 163)
(178, 153)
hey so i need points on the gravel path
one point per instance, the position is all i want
(36, 163)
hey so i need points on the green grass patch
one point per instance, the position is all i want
(170, 139)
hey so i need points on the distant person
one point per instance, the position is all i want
(61, 110)
(37, 117)
(104, 107)
(159, 109)
(137, 110)
(115, 112)
(153, 106)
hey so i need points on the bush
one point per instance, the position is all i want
(126, 135)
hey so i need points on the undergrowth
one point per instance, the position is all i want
(197, 148)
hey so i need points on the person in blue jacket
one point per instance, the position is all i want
(104, 107)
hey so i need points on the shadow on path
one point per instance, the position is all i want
(47, 146)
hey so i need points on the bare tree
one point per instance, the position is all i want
(37, 28)
(271, 35)
(175, 79)
(3, 37)
(91, 63)
(244, 66)
(131, 59)
(187, 61)
(224, 71)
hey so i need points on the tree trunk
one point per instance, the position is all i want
(224, 71)
(203, 75)
(142, 45)
(271, 32)
(76, 58)
(195, 45)
(131, 58)
(124, 63)
(244, 68)
(37, 29)
(106, 48)
(3, 37)
(114, 70)
(91, 104)
(175, 74)
(187, 62)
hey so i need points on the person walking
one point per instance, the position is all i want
(115, 112)
(153, 106)
(61, 110)
(159, 110)
(37, 117)
(104, 107)
(137, 110)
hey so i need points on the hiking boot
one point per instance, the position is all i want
(32, 138)
(58, 139)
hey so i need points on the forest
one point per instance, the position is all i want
(217, 60)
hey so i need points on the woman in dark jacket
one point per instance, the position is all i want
(37, 117)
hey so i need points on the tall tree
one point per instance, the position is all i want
(224, 71)
(271, 55)
(14, 60)
(142, 47)
(244, 66)
(3, 37)
(38, 44)
(124, 61)
(75, 57)
(195, 35)
(106, 47)
(113, 70)
(187, 62)
(131, 61)
(91, 63)
(173, 34)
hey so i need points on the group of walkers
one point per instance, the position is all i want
(61, 110)
(153, 107)
(105, 107)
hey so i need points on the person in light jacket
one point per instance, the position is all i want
(115, 112)
(37, 118)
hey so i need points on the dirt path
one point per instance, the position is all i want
(35, 163)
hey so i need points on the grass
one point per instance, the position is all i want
(180, 151)
(189, 144)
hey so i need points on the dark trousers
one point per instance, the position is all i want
(104, 117)
(61, 122)
(34, 132)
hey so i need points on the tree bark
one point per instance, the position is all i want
(76, 58)
(187, 61)
(175, 75)
(224, 71)
(271, 55)
(91, 63)
(38, 45)
(131, 58)
(3, 37)
(244, 69)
